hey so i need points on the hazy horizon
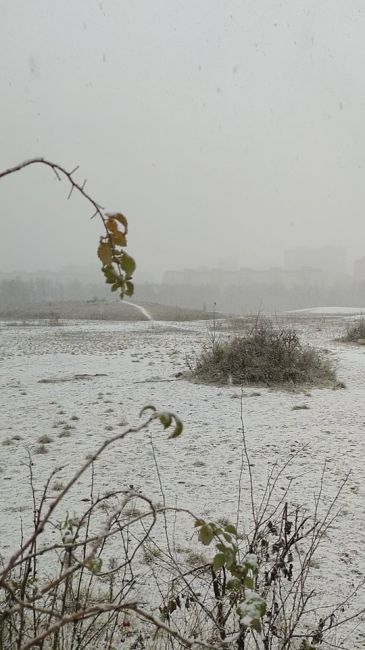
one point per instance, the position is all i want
(225, 131)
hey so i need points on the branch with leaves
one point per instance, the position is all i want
(117, 266)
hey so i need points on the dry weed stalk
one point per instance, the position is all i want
(82, 604)
(205, 603)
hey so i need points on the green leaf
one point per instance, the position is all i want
(178, 427)
(222, 547)
(128, 264)
(199, 522)
(110, 273)
(206, 535)
(230, 558)
(165, 419)
(129, 290)
(234, 584)
(94, 564)
(229, 528)
(253, 608)
(256, 625)
(249, 582)
(219, 561)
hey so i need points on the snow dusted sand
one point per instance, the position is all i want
(135, 364)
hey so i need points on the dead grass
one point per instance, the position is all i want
(355, 331)
(58, 486)
(171, 313)
(41, 449)
(65, 433)
(50, 313)
(44, 440)
(45, 312)
(196, 559)
(7, 442)
(266, 355)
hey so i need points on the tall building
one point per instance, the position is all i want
(329, 259)
(245, 276)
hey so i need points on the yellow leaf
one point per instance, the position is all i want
(118, 238)
(105, 253)
(111, 225)
(122, 219)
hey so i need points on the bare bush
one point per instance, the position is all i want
(355, 331)
(107, 583)
(266, 355)
(74, 593)
(254, 589)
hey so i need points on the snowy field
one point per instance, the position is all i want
(129, 365)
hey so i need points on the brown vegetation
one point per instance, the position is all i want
(355, 332)
(265, 355)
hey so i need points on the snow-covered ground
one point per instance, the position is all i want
(330, 311)
(134, 364)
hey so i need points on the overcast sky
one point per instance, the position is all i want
(225, 130)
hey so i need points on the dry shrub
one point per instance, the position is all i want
(355, 331)
(266, 355)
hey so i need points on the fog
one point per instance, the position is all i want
(226, 131)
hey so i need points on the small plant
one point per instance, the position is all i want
(213, 329)
(7, 442)
(355, 331)
(266, 355)
(44, 440)
(58, 486)
(255, 591)
(151, 553)
(195, 559)
(65, 433)
(41, 449)
(239, 577)
(87, 597)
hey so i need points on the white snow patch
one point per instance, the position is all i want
(329, 310)
(140, 361)
(141, 309)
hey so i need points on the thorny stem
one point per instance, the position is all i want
(41, 524)
(60, 171)
(252, 495)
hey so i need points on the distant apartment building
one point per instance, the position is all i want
(330, 260)
(194, 277)
(246, 276)
(359, 270)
